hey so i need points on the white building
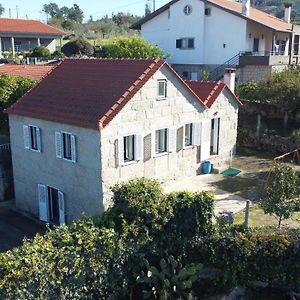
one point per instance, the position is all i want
(91, 124)
(17, 35)
(202, 34)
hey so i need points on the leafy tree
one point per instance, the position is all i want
(2, 10)
(281, 197)
(40, 51)
(75, 14)
(78, 47)
(132, 47)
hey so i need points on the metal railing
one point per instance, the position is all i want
(4, 148)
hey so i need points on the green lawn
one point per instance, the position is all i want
(258, 218)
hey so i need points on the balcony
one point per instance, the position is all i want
(264, 58)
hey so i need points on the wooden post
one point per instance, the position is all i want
(247, 214)
(258, 125)
(285, 120)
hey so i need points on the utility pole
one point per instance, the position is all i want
(153, 5)
(9, 12)
(17, 11)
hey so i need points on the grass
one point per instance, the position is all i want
(257, 217)
(247, 188)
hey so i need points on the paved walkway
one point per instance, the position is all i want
(14, 226)
(224, 200)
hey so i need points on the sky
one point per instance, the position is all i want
(32, 9)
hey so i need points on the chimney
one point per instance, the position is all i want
(246, 8)
(229, 78)
(287, 12)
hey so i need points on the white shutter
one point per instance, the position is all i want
(38, 139)
(43, 202)
(58, 144)
(196, 134)
(120, 153)
(171, 139)
(205, 139)
(138, 147)
(216, 135)
(73, 148)
(26, 137)
(61, 203)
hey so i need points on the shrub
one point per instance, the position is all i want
(295, 136)
(78, 47)
(247, 91)
(57, 54)
(131, 47)
(40, 51)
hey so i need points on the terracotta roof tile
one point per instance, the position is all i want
(28, 26)
(208, 91)
(233, 7)
(36, 72)
(85, 92)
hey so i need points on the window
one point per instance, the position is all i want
(51, 204)
(162, 89)
(161, 141)
(185, 75)
(32, 138)
(185, 43)
(207, 11)
(129, 149)
(129, 142)
(214, 141)
(188, 136)
(65, 146)
(187, 9)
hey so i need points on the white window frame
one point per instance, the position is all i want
(28, 141)
(170, 142)
(59, 145)
(162, 97)
(184, 134)
(185, 43)
(137, 149)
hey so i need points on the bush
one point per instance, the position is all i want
(40, 51)
(131, 47)
(295, 136)
(57, 54)
(247, 91)
(78, 47)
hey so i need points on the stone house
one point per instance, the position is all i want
(217, 34)
(92, 123)
(17, 35)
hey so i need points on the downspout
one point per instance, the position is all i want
(292, 40)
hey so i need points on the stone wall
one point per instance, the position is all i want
(256, 73)
(144, 114)
(6, 176)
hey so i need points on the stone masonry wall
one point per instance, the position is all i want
(144, 114)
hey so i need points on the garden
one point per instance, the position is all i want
(151, 245)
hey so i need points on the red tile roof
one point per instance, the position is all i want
(36, 72)
(27, 26)
(90, 92)
(233, 7)
(208, 91)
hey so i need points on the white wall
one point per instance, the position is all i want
(221, 28)
(164, 31)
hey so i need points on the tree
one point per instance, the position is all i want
(2, 10)
(132, 47)
(78, 47)
(52, 10)
(40, 51)
(75, 14)
(281, 197)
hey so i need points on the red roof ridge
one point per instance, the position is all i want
(130, 92)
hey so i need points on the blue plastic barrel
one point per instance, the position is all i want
(206, 167)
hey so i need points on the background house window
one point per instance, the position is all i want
(161, 141)
(187, 9)
(207, 11)
(185, 43)
(185, 75)
(129, 142)
(188, 136)
(162, 89)
(32, 138)
(65, 146)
